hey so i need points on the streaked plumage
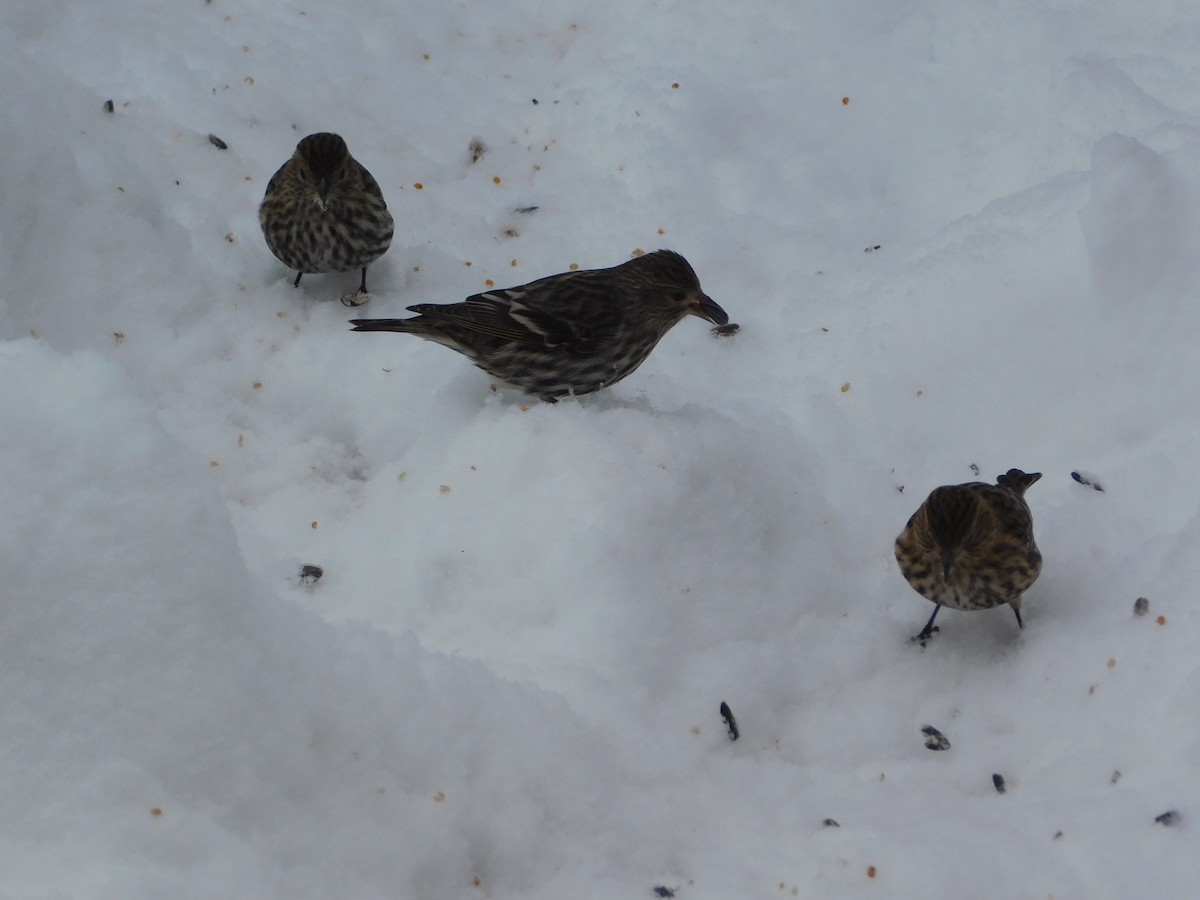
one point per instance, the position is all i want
(323, 212)
(572, 333)
(970, 546)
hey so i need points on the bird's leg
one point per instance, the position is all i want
(362, 288)
(296, 283)
(928, 631)
(1017, 612)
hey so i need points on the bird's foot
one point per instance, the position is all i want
(358, 298)
(925, 635)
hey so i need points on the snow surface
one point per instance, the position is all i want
(506, 685)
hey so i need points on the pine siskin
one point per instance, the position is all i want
(572, 333)
(323, 212)
(970, 546)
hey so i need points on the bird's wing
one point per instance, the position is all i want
(559, 311)
(276, 180)
(1010, 512)
(370, 185)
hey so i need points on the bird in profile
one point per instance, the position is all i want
(970, 546)
(572, 333)
(323, 212)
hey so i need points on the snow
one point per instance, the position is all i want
(506, 684)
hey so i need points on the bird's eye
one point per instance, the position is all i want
(679, 296)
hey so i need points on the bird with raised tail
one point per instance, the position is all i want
(970, 546)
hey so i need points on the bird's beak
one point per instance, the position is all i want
(707, 308)
(323, 191)
(947, 563)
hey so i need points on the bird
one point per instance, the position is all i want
(572, 333)
(324, 212)
(970, 546)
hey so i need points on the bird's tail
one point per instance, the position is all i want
(403, 325)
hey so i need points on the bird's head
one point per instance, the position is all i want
(950, 513)
(669, 280)
(325, 161)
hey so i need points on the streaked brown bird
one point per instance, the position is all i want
(970, 546)
(323, 212)
(572, 333)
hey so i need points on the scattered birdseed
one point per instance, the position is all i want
(998, 781)
(217, 142)
(1170, 817)
(659, 890)
(831, 823)
(934, 739)
(1116, 776)
(1141, 606)
(109, 107)
(871, 249)
(477, 148)
(1088, 481)
(728, 330)
(730, 721)
(525, 210)
(310, 574)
